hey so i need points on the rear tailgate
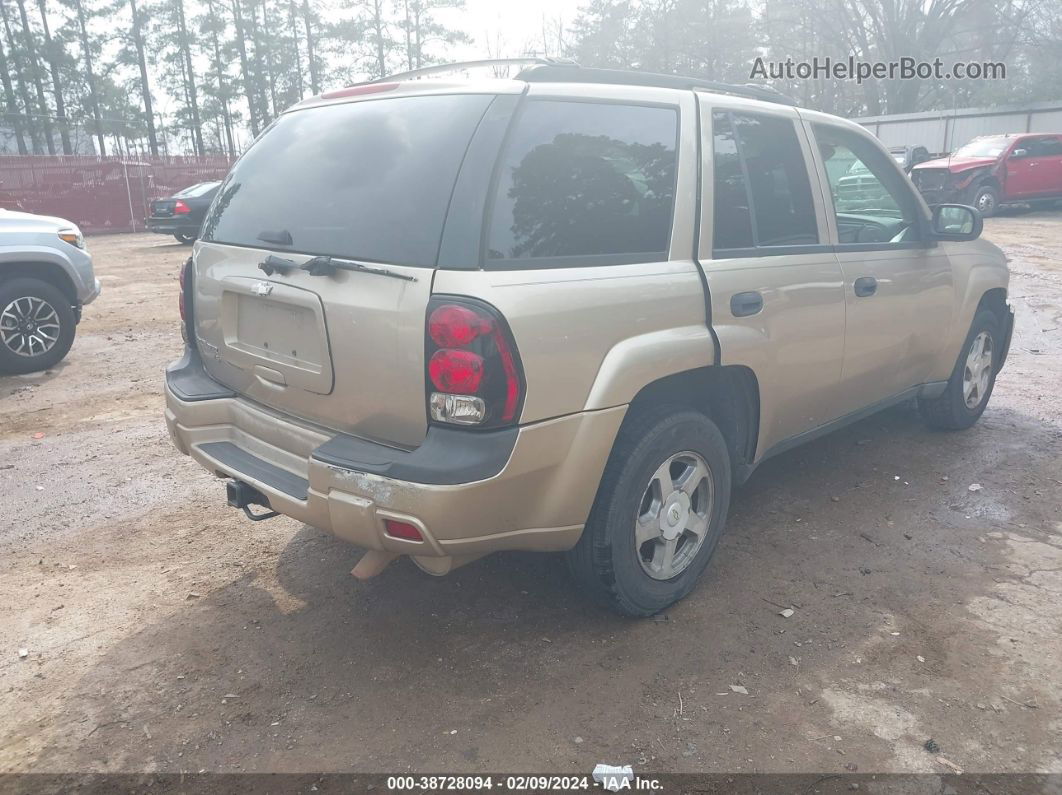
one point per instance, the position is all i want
(344, 351)
(368, 184)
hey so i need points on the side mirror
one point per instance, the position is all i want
(1020, 153)
(956, 222)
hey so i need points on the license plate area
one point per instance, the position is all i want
(269, 328)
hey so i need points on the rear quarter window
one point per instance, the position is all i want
(366, 180)
(585, 180)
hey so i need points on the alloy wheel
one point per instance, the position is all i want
(673, 516)
(977, 371)
(29, 326)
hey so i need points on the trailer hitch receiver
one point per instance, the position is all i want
(242, 495)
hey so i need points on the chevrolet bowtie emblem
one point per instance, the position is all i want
(262, 288)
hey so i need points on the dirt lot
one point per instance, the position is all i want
(167, 633)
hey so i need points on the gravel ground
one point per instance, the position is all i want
(167, 633)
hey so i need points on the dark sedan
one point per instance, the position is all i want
(182, 214)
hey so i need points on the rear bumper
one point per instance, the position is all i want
(468, 493)
(169, 226)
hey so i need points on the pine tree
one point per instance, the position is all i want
(294, 25)
(173, 42)
(53, 55)
(184, 43)
(31, 119)
(213, 26)
(259, 77)
(30, 45)
(13, 114)
(310, 22)
(250, 94)
(380, 36)
(90, 74)
(136, 32)
(421, 29)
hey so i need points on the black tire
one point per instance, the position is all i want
(606, 561)
(185, 238)
(33, 289)
(986, 199)
(950, 411)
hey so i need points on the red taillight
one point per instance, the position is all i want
(512, 380)
(180, 208)
(474, 375)
(456, 371)
(402, 530)
(453, 326)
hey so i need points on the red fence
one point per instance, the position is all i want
(100, 194)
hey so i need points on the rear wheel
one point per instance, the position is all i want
(184, 237)
(659, 512)
(971, 382)
(36, 326)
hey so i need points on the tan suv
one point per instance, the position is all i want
(567, 311)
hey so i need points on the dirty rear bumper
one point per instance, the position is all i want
(468, 493)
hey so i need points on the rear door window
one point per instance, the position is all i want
(762, 188)
(585, 180)
(733, 215)
(366, 180)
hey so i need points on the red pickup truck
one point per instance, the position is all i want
(995, 170)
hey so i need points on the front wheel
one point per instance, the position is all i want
(986, 199)
(36, 326)
(973, 379)
(658, 514)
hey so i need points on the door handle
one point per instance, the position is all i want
(865, 286)
(745, 304)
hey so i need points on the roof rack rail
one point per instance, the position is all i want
(558, 72)
(461, 65)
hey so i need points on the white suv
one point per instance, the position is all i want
(45, 279)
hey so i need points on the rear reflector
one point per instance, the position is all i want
(403, 530)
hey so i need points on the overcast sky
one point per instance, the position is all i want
(517, 22)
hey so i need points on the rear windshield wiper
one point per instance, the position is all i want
(325, 266)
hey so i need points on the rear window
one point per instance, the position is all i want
(196, 190)
(364, 180)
